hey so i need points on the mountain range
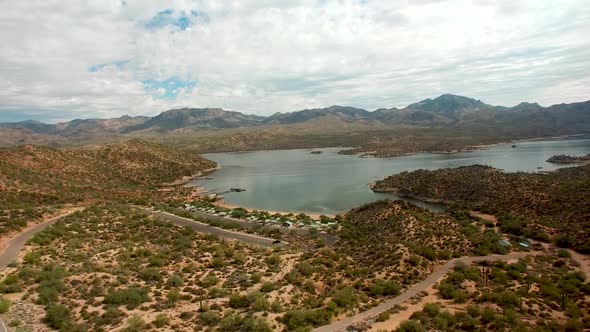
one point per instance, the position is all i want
(445, 111)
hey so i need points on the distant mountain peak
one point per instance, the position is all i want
(525, 106)
(448, 104)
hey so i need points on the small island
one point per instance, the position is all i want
(565, 159)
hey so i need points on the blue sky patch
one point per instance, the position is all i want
(168, 89)
(101, 66)
(180, 20)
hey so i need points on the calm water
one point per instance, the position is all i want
(298, 181)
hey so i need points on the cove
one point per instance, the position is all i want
(299, 181)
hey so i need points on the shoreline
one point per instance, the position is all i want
(222, 203)
(199, 190)
(188, 178)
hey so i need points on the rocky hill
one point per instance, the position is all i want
(554, 205)
(36, 175)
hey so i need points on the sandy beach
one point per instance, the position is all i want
(221, 203)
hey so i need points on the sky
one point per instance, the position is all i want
(63, 59)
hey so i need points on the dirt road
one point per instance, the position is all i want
(438, 273)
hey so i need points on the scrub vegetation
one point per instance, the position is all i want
(548, 207)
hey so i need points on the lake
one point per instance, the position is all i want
(298, 181)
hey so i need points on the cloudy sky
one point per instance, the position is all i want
(100, 58)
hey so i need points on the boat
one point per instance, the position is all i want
(237, 190)
(316, 152)
(514, 145)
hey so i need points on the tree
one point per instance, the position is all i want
(506, 300)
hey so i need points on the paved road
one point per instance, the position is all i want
(413, 291)
(16, 244)
(329, 238)
(205, 228)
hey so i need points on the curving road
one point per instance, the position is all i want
(438, 273)
(12, 248)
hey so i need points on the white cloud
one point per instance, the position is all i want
(268, 56)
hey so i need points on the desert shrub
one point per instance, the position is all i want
(4, 306)
(132, 296)
(210, 318)
(383, 287)
(273, 260)
(473, 310)
(431, 309)
(135, 324)
(111, 316)
(573, 325)
(563, 241)
(411, 326)
(150, 274)
(345, 297)
(255, 277)
(174, 281)
(161, 320)
(276, 306)
(261, 304)
(57, 316)
(209, 280)
(460, 296)
(488, 315)
(173, 296)
(267, 287)
(302, 318)
(384, 316)
(446, 290)
(237, 301)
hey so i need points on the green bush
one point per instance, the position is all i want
(4, 306)
(460, 296)
(273, 260)
(135, 324)
(302, 318)
(132, 296)
(446, 290)
(383, 287)
(210, 318)
(161, 320)
(411, 326)
(431, 309)
(384, 316)
(345, 297)
(150, 274)
(174, 281)
(57, 316)
(267, 287)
